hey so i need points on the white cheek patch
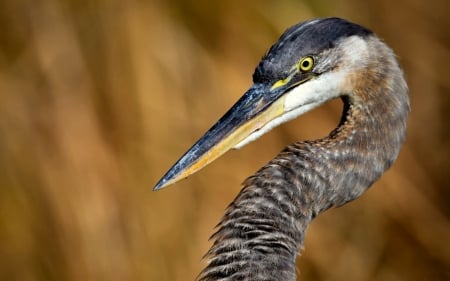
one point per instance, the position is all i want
(315, 92)
(302, 99)
(355, 52)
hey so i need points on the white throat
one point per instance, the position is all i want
(317, 91)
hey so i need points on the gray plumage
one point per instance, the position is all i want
(313, 62)
(263, 229)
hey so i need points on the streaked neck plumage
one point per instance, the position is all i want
(263, 229)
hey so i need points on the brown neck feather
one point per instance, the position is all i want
(263, 229)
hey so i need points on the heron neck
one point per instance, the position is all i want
(263, 229)
(370, 134)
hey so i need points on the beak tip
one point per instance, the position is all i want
(168, 179)
(160, 185)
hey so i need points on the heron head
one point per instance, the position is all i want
(310, 64)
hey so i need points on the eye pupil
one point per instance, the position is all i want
(306, 64)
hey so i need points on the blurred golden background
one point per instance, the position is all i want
(99, 98)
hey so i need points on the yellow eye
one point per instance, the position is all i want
(306, 64)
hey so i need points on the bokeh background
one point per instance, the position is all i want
(98, 98)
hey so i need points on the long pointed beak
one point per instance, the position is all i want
(259, 105)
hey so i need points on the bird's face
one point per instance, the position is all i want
(305, 68)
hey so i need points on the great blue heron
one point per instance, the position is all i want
(313, 62)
